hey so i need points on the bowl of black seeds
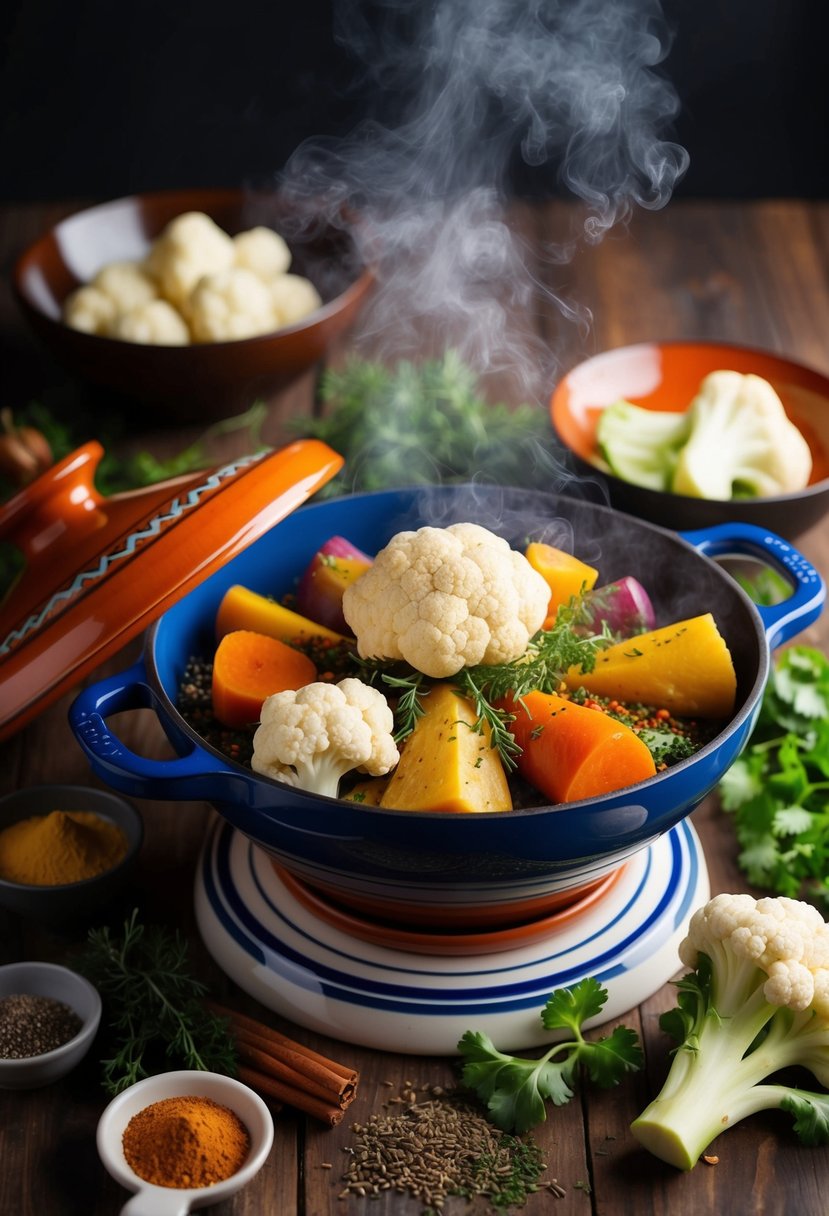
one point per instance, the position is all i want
(49, 1016)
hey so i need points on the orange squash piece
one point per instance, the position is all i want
(685, 668)
(445, 765)
(566, 575)
(247, 668)
(570, 752)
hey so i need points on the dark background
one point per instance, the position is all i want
(100, 98)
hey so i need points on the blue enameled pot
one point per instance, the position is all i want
(438, 868)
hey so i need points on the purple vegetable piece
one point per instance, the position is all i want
(338, 546)
(625, 605)
(319, 594)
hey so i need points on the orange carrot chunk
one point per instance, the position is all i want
(571, 752)
(247, 668)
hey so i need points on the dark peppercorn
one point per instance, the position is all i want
(32, 1025)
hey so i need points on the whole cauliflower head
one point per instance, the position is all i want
(191, 246)
(90, 310)
(127, 284)
(232, 304)
(293, 298)
(446, 598)
(312, 737)
(263, 251)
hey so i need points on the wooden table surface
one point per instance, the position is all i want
(755, 273)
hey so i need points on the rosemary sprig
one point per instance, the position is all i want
(152, 1004)
(495, 718)
(410, 701)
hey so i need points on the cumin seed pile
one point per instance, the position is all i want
(438, 1148)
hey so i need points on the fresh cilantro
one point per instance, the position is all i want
(778, 790)
(516, 1089)
(666, 746)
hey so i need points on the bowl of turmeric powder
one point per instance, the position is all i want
(65, 849)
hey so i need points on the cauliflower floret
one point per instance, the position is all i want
(312, 737)
(756, 1002)
(127, 284)
(231, 304)
(446, 598)
(262, 251)
(293, 298)
(741, 441)
(90, 310)
(191, 246)
(155, 323)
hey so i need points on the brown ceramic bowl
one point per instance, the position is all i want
(190, 382)
(666, 376)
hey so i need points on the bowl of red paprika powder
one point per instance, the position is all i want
(184, 1140)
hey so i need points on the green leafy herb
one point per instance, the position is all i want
(420, 424)
(410, 701)
(778, 790)
(516, 1089)
(153, 1005)
(667, 747)
(550, 654)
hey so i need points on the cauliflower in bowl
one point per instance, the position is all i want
(196, 284)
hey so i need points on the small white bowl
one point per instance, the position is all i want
(151, 1200)
(61, 984)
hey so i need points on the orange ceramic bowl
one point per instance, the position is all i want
(666, 376)
(214, 379)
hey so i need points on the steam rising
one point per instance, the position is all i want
(462, 88)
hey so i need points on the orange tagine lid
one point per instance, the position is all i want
(99, 570)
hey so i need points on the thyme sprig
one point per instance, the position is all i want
(152, 1003)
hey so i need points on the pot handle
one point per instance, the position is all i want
(780, 621)
(112, 760)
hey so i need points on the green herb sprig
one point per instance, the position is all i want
(550, 654)
(516, 1089)
(778, 790)
(423, 424)
(152, 1004)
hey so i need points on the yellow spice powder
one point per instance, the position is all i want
(61, 847)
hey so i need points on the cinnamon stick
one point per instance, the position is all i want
(265, 1084)
(242, 1021)
(317, 1077)
(285, 1069)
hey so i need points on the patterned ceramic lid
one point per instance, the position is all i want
(99, 570)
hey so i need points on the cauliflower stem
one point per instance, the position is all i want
(750, 1008)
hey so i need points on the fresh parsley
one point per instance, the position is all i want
(778, 790)
(516, 1089)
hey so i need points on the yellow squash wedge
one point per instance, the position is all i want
(685, 668)
(242, 608)
(445, 765)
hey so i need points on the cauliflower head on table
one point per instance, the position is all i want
(312, 737)
(442, 599)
